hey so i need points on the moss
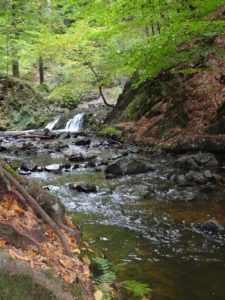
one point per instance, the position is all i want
(21, 287)
(8, 169)
(110, 132)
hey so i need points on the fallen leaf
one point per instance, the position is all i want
(69, 277)
(65, 262)
(86, 271)
(86, 260)
(86, 244)
(98, 295)
(77, 251)
(2, 242)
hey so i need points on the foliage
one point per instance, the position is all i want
(119, 38)
(136, 288)
(109, 131)
(105, 273)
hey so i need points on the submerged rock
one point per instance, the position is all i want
(85, 188)
(76, 157)
(128, 166)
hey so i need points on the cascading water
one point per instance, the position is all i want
(75, 124)
(52, 124)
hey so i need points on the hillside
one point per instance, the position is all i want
(183, 108)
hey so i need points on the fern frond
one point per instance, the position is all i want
(136, 288)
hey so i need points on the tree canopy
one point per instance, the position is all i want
(114, 38)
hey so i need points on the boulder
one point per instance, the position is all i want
(212, 226)
(128, 166)
(194, 161)
(196, 177)
(28, 166)
(218, 178)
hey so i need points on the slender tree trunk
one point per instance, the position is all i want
(158, 27)
(41, 70)
(153, 29)
(15, 68)
(147, 31)
(99, 84)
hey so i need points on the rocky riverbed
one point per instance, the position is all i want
(154, 214)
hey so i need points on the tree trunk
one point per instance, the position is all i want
(41, 70)
(15, 68)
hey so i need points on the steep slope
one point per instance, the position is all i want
(21, 105)
(183, 107)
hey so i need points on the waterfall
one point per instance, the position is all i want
(75, 124)
(52, 124)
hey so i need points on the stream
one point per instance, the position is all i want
(146, 225)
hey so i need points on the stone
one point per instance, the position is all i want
(128, 166)
(196, 177)
(181, 180)
(212, 226)
(208, 175)
(95, 143)
(90, 164)
(29, 166)
(82, 141)
(194, 161)
(53, 168)
(100, 168)
(133, 149)
(76, 157)
(66, 166)
(218, 178)
(24, 173)
(85, 188)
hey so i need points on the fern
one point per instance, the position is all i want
(136, 288)
(107, 276)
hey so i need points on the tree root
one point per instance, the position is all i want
(21, 233)
(8, 178)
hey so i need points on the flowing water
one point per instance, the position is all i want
(53, 123)
(147, 226)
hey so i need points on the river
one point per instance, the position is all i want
(146, 225)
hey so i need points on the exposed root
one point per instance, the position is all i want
(8, 178)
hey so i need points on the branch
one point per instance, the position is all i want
(88, 63)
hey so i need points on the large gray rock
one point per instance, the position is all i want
(194, 161)
(212, 226)
(128, 166)
(196, 177)
(29, 166)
